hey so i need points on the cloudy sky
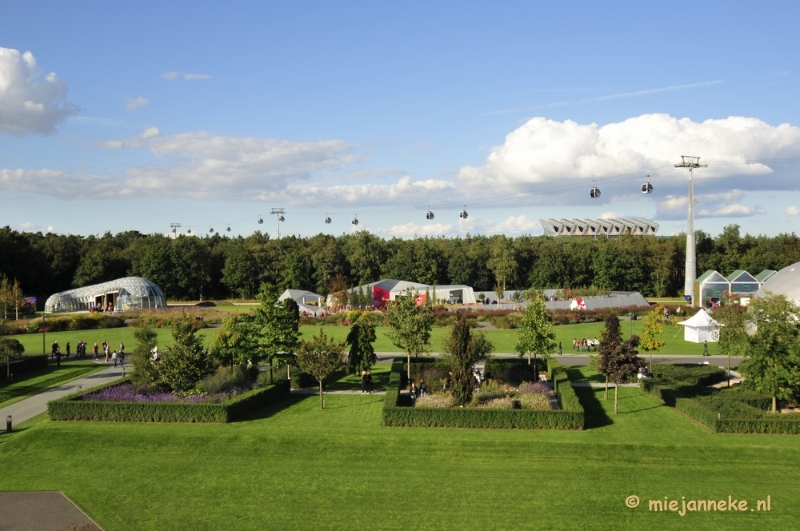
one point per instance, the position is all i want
(117, 116)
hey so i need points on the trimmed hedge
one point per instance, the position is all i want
(26, 364)
(494, 367)
(725, 411)
(397, 413)
(75, 408)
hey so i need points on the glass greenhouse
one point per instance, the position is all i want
(129, 293)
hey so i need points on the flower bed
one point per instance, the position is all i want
(436, 409)
(121, 405)
(127, 392)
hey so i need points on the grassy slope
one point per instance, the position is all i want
(35, 382)
(302, 468)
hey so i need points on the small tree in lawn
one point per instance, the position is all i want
(279, 327)
(464, 349)
(410, 324)
(731, 332)
(186, 363)
(618, 360)
(145, 370)
(772, 364)
(320, 358)
(651, 339)
(10, 349)
(535, 331)
(234, 343)
(361, 337)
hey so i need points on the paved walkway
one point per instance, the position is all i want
(310, 391)
(41, 511)
(37, 404)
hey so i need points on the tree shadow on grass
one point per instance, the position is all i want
(595, 415)
(272, 409)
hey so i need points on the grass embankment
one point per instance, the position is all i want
(35, 382)
(299, 467)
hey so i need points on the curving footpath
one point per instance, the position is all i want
(37, 404)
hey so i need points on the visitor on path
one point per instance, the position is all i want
(94, 350)
(114, 358)
(705, 348)
(53, 349)
(363, 382)
(423, 388)
(122, 358)
(68, 349)
(369, 381)
(413, 391)
(560, 350)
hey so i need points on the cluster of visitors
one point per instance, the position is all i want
(366, 382)
(80, 350)
(644, 372)
(320, 313)
(585, 345)
(418, 391)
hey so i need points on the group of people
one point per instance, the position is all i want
(585, 345)
(418, 391)
(366, 382)
(644, 372)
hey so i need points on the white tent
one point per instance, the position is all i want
(701, 327)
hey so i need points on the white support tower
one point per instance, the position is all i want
(691, 258)
(174, 228)
(278, 212)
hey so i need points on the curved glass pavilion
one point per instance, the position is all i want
(129, 293)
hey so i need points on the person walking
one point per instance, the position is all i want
(94, 351)
(121, 358)
(68, 349)
(705, 348)
(114, 358)
(363, 382)
(369, 382)
(560, 350)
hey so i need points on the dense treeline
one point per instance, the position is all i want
(190, 268)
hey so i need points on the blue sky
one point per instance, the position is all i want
(132, 116)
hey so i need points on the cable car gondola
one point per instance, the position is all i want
(429, 214)
(188, 231)
(260, 221)
(327, 218)
(647, 188)
(594, 193)
(281, 219)
(355, 220)
(211, 230)
(228, 229)
(463, 214)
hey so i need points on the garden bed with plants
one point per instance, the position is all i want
(510, 399)
(734, 410)
(125, 402)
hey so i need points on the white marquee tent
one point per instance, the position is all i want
(700, 327)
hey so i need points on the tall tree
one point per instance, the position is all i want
(279, 327)
(535, 331)
(618, 359)
(731, 333)
(361, 338)
(652, 331)
(410, 324)
(186, 362)
(145, 370)
(772, 364)
(320, 358)
(234, 343)
(463, 350)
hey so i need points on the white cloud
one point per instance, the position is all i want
(173, 76)
(33, 227)
(792, 211)
(135, 103)
(30, 102)
(514, 225)
(552, 158)
(724, 205)
(611, 215)
(413, 230)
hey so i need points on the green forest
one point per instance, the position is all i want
(220, 267)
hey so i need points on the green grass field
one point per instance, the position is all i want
(298, 467)
(35, 382)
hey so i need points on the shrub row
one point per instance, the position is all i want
(726, 411)
(75, 408)
(26, 364)
(396, 412)
(494, 367)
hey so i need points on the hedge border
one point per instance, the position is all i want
(73, 407)
(571, 417)
(685, 401)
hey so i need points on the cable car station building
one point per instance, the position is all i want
(610, 228)
(129, 293)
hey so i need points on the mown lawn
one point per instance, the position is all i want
(35, 382)
(298, 467)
